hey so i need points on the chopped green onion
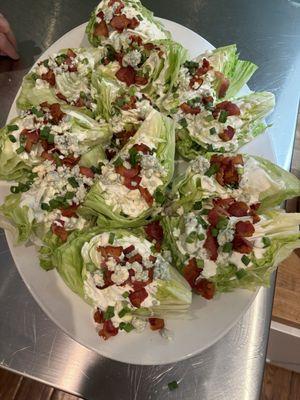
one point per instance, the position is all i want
(202, 222)
(85, 61)
(212, 131)
(159, 196)
(38, 113)
(139, 17)
(82, 95)
(69, 195)
(197, 205)
(57, 159)
(50, 138)
(24, 187)
(72, 181)
(118, 162)
(45, 132)
(111, 238)
(46, 63)
(134, 156)
(12, 138)
(45, 206)
(213, 169)
(120, 102)
(209, 118)
(222, 223)
(109, 313)
(245, 260)
(60, 59)
(240, 273)
(126, 326)
(227, 248)
(214, 232)
(191, 237)
(183, 122)
(125, 295)
(15, 189)
(12, 128)
(172, 385)
(20, 150)
(223, 116)
(201, 236)
(200, 263)
(124, 311)
(266, 241)
(205, 211)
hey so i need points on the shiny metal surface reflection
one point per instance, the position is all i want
(266, 32)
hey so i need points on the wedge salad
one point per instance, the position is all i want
(126, 173)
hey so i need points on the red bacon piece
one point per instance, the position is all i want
(142, 148)
(137, 297)
(238, 209)
(242, 245)
(130, 105)
(207, 100)
(70, 161)
(79, 102)
(56, 113)
(255, 206)
(205, 288)
(231, 108)
(227, 134)
(204, 69)
(244, 229)
(32, 137)
(110, 251)
(191, 272)
(224, 203)
(255, 217)
(137, 285)
(141, 80)
(124, 136)
(61, 97)
(110, 154)
(195, 79)
(134, 22)
(108, 330)
(190, 110)
(146, 195)
(59, 230)
(49, 77)
(223, 85)
(154, 231)
(132, 183)
(156, 324)
(126, 172)
(86, 172)
(70, 211)
(100, 15)
(47, 156)
(98, 316)
(101, 29)
(136, 258)
(215, 214)
(211, 245)
(120, 22)
(129, 249)
(126, 75)
(137, 39)
(71, 54)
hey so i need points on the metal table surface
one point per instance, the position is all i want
(266, 32)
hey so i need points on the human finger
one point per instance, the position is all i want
(7, 48)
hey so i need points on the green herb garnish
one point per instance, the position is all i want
(72, 181)
(20, 150)
(12, 138)
(245, 260)
(172, 385)
(111, 238)
(227, 247)
(109, 313)
(126, 326)
(213, 169)
(223, 116)
(12, 128)
(212, 131)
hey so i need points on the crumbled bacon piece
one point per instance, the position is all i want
(195, 80)
(255, 217)
(242, 245)
(227, 173)
(49, 77)
(79, 102)
(110, 251)
(124, 136)
(56, 113)
(126, 75)
(137, 285)
(204, 68)
(154, 231)
(211, 245)
(255, 206)
(224, 203)
(130, 105)
(136, 39)
(132, 183)
(229, 107)
(238, 209)
(136, 298)
(227, 134)
(156, 324)
(70, 161)
(146, 195)
(57, 228)
(207, 100)
(223, 85)
(108, 330)
(110, 154)
(244, 229)
(191, 272)
(86, 172)
(141, 80)
(136, 258)
(129, 249)
(143, 148)
(101, 29)
(215, 214)
(120, 22)
(205, 288)
(98, 316)
(61, 97)
(134, 22)
(71, 54)
(70, 211)
(126, 172)
(32, 137)
(190, 110)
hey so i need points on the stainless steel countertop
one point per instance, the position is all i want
(267, 33)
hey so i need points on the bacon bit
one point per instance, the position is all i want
(126, 75)
(225, 203)
(141, 80)
(120, 22)
(205, 288)
(45, 104)
(107, 278)
(86, 172)
(47, 156)
(204, 69)
(108, 330)
(110, 154)
(137, 285)
(231, 108)
(79, 102)
(59, 230)
(119, 58)
(237, 159)
(98, 316)
(227, 134)
(255, 217)
(71, 54)
(238, 209)
(110, 251)
(101, 29)
(134, 22)
(207, 100)
(49, 77)
(124, 136)
(130, 105)
(137, 297)
(100, 15)
(242, 245)
(106, 61)
(70, 211)
(195, 79)
(215, 214)
(191, 272)
(31, 138)
(137, 39)
(70, 161)
(224, 84)
(141, 147)
(156, 324)
(129, 249)
(61, 97)
(46, 146)
(132, 183)
(136, 258)
(152, 258)
(211, 245)
(255, 206)
(154, 231)
(244, 229)
(56, 113)
(190, 110)
(146, 195)
(227, 173)
(128, 173)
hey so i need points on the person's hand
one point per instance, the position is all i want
(8, 43)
